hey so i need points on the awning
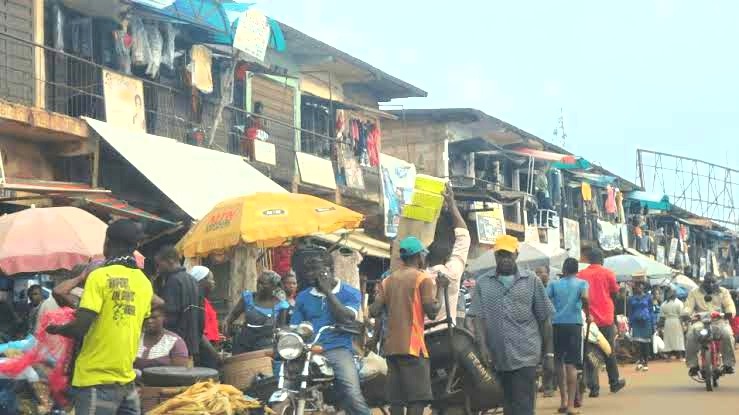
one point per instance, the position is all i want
(122, 208)
(471, 145)
(545, 155)
(10, 186)
(360, 242)
(652, 201)
(600, 180)
(194, 178)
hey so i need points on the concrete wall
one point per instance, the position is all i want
(419, 142)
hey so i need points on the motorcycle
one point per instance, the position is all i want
(711, 361)
(305, 378)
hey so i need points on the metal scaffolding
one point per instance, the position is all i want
(700, 187)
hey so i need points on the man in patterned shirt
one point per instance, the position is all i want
(511, 315)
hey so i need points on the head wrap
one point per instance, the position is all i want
(199, 272)
(276, 280)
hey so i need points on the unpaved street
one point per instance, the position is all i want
(664, 390)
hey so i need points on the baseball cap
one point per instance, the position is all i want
(506, 243)
(410, 246)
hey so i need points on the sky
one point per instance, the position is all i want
(654, 74)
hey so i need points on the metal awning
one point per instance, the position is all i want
(194, 178)
(545, 155)
(17, 189)
(471, 145)
(122, 208)
(601, 180)
(654, 201)
(360, 242)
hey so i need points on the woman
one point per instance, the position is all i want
(641, 319)
(209, 356)
(263, 311)
(673, 328)
(290, 285)
(160, 347)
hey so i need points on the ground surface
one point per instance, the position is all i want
(664, 390)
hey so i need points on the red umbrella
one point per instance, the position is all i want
(48, 239)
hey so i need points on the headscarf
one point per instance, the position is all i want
(199, 272)
(276, 280)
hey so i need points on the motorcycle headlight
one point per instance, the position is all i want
(290, 346)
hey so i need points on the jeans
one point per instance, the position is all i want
(347, 381)
(591, 373)
(107, 400)
(727, 344)
(519, 391)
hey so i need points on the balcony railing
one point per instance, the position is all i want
(73, 86)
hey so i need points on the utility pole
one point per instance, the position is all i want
(559, 130)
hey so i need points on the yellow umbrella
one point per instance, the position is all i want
(267, 220)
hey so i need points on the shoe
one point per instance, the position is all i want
(693, 372)
(615, 388)
(639, 367)
(645, 368)
(548, 394)
(728, 370)
(578, 404)
(594, 393)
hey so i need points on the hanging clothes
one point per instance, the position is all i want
(340, 123)
(281, 260)
(587, 192)
(373, 146)
(201, 68)
(620, 206)
(610, 204)
(346, 265)
(555, 186)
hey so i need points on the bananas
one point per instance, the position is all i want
(207, 398)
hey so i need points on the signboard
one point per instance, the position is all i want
(490, 225)
(571, 235)
(124, 101)
(609, 236)
(252, 34)
(553, 236)
(673, 251)
(265, 152)
(661, 254)
(398, 179)
(316, 170)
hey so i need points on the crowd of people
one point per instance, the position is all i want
(522, 321)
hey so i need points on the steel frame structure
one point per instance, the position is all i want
(700, 187)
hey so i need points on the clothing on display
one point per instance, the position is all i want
(281, 260)
(620, 206)
(346, 265)
(555, 186)
(201, 68)
(587, 192)
(610, 204)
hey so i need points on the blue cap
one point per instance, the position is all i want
(411, 246)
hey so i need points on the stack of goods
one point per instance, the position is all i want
(207, 398)
(428, 199)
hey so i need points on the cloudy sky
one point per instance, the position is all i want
(655, 74)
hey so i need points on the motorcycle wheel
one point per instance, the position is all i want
(284, 408)
(708, 370)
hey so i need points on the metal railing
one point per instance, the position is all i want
(73, 86)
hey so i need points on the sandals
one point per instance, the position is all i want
(564, 410)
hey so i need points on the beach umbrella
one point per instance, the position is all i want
(530, 256)
(625, 266)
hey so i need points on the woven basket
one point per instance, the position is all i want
(240, 370)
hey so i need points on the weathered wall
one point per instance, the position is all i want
(419, 142)
(24, 160)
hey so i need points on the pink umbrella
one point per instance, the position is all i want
(48, 239)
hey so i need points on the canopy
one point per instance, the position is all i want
(267, 220)
(194, 178)
(546, 155)
(600, 180)
(626, 266)
(530, 256)
(652, 201)
(206, 14)
(49, 239)
(360, 242)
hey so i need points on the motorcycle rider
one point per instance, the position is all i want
(721, 302)
(328, 302)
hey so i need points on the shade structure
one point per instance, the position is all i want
(49, 239)
(626, 266)
(266, 220)
(530, 256)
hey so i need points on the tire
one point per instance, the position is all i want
(708, 369)
(284, 408)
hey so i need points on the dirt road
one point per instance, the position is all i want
(665, 389)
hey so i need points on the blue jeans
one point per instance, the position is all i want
(347, 381)
(107, 400)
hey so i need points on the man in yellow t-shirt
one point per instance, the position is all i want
(116, 300)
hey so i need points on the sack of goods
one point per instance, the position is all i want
(207, 398)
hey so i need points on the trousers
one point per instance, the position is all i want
(347, 381)
(727, 343)
(519, 391)
(591, 373)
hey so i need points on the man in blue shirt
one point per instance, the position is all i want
(328, 302)
(570, 298)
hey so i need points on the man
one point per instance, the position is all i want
(183, 303)
(406, 295)
(548, 380)
(328, 302)
(450, 262)
(543, 274)
(511, 316)
(720, 300)
(570, 298)
(116, 300)
(35, 297)
(602, 288)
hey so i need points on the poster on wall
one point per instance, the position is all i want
(490, 225)
(124, 101)
(571, 235)
(398, 179)
(660, 254)
(673, 250)
(252, 34)
(553, 237)
(609, 236)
